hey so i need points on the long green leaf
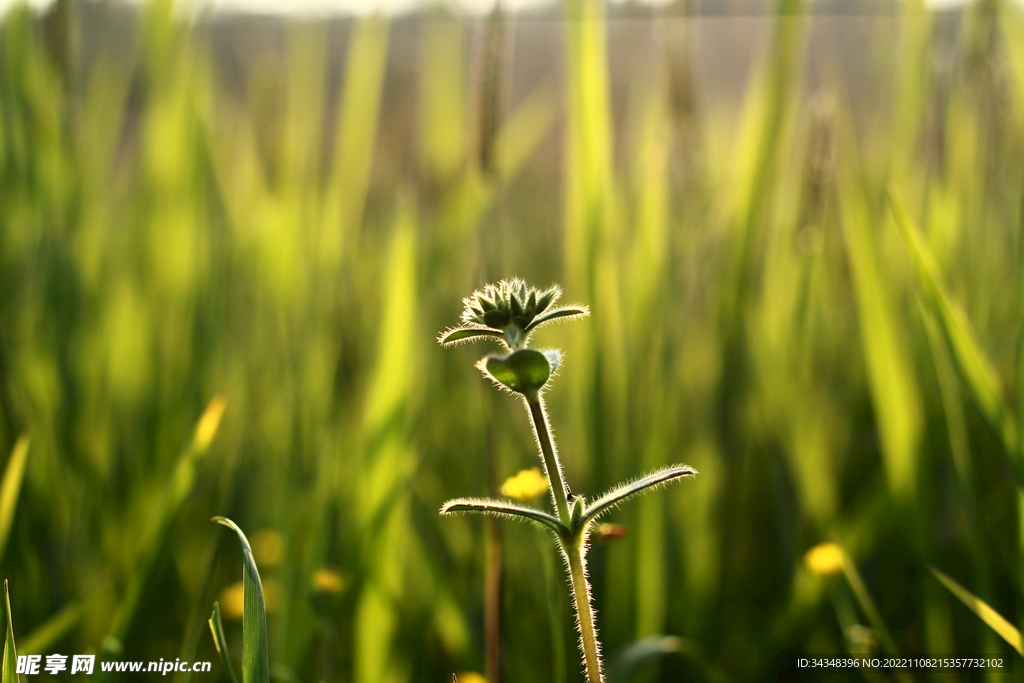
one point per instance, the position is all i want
(973, 365)
(993, 619)
(500, 508)
(255, 655)
(621, 493)
(10, 665)
(10, 488)
(220, 642)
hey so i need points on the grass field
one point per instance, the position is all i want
(806, 280)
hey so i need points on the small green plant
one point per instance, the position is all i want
(255, 656)
(509, 312)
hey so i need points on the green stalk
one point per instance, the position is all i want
(553, 468)
(574, 545)
(575, 552)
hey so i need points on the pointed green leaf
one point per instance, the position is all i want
(489, 506)
(517, 306)
(461, 334)
(11, 487)
(255, 655)
(524, 371)
(220, 642)
(971, 362)
(10, 665)
(546, 299)
(621, 493)
(568, 312)
(993, 619)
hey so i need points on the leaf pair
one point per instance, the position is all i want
(589, 512)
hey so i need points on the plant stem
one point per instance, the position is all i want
(553, 468)
(574, 547)
(576, 554)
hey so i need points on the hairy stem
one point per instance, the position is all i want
(576, 554)
(552, 468)
(574, 544)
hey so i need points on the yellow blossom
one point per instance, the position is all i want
(232, 598)
(327, 581)
(526, 485)
(267, 547)
(824, 559)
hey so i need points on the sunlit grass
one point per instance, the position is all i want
(187, 213)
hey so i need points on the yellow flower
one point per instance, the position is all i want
(267, 547)
(327, 581)
(824, 559)
(470, 677)
(526, 485)
(232, 598)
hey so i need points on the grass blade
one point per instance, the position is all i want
(10, 665)
(888, 361)
(621, 493)
(503, 509)
(255, 655)
(993, 619)
(973, 365)
(10, 487)
(220, 642)
(181, 484)
(54, 628)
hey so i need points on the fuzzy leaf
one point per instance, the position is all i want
(524, 371)
(620, 493)
(255, 655)
(489, 506)
(567, 312)
(547, 298)
(461, 334)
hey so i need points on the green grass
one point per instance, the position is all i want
(289, 230)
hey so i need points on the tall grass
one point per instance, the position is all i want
(283, 214)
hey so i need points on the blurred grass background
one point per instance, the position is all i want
(285, 214)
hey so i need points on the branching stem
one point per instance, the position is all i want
(574, 545)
